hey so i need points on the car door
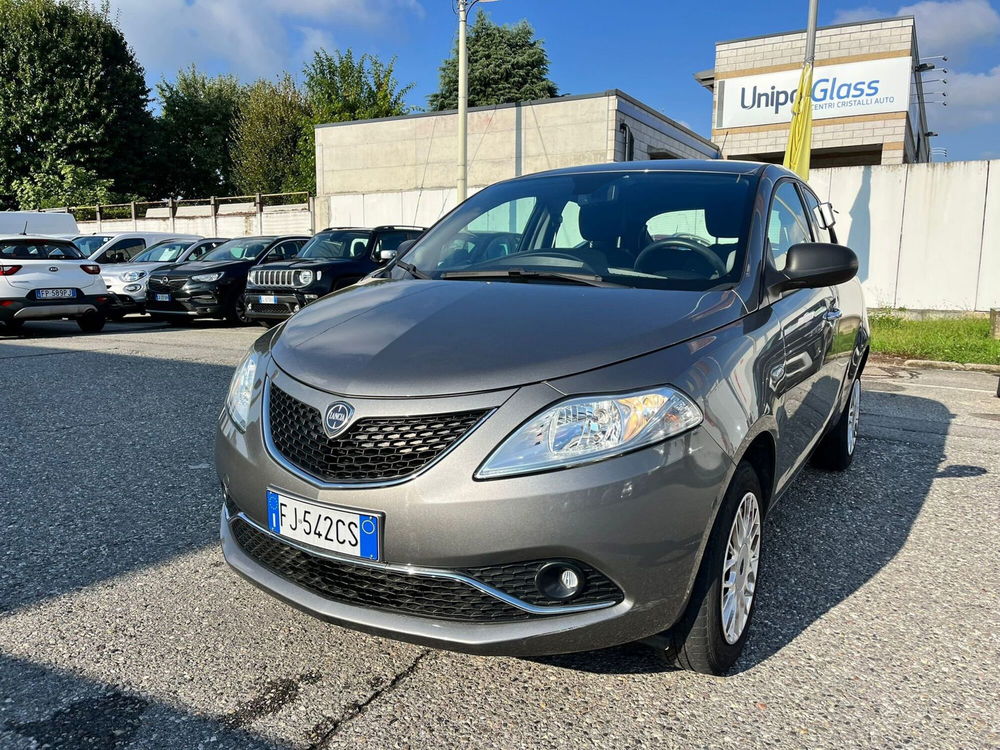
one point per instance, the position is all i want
(807, 386)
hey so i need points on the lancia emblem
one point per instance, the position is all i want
(338, 416)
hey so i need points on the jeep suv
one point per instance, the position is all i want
(333, 259)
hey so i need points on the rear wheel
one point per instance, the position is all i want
(835, 452)
(91, 322)
(713, 630)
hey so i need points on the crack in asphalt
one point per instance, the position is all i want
(326, 731)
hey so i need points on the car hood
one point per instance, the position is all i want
(117, 269)
(305, 263)
(197, 266)
(389, 338)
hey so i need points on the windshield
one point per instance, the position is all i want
(162, 252)
(336, 245)
(89, 243)
(244, 249)
(38, 250)
(655, 230)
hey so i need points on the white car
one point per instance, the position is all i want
(122, 248)
(127, 281)
(48, 223)
(46, 278)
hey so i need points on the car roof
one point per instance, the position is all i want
(34, 238)
(724, 166)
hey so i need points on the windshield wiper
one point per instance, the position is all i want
(412, 270)
(521, 273)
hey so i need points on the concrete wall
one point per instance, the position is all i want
(927, 235)
(233, 220)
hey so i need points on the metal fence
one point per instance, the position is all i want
(229, 216)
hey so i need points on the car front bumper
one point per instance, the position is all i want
(285, 303)
(192, 301)
(640, 519)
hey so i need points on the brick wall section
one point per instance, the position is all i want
(887, 38)
(789, 49)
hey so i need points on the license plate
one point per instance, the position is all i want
(343, 531)
(54, 293)
(161, 297)
(268, 299)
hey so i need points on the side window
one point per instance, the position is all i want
(124, 250)
(822, 235)
(569, 234)
(787, 224)
(201, 250)
(285, 250)
(391, 240)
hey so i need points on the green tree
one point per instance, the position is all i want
(269, 127)
(60, 184)
(195, 134)
(71, 94)
(342, 87)
(506, 64)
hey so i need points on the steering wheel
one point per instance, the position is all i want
(648, 254)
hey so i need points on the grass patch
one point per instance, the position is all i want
(963, 340)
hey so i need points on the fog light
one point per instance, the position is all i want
(311, 297)
(559, 581)
(133, 287)
(295, 308)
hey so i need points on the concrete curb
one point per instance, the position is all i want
(935, 365)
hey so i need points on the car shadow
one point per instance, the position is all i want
(831, 533)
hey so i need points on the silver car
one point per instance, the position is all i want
(556, 422)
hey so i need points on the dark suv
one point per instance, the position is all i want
(333, 259)
(212, 287)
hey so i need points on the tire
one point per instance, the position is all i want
(91, 322)
(700, 641)
(236, 314)
(835, 451)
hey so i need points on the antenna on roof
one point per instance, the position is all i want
(24, 231)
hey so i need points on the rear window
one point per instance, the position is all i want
(38, 250)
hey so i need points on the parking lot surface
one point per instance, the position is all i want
(121, 627)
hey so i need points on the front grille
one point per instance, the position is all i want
(373, 449)
(266, 307)
(166, 283)
(373, 587)
(269, 277)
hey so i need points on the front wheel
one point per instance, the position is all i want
(237, 313)
(835, 452)
(713, 630)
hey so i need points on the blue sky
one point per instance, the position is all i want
(648, 48)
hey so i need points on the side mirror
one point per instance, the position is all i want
(809, 265)
(384, 256)
(825, 215)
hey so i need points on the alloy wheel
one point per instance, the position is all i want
(739, 568)
(853, 416)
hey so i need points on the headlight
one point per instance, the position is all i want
(133, 275)
(208, 276)
(305, 278)
(581, 430)
(240, 390)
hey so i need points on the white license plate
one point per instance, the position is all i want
(268, 299)
(54, 293)
(343, 531)
(161, 297)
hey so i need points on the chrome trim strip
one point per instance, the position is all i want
(415, 571)
(274, 453)
(46, 311)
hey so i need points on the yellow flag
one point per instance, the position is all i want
(800, 133)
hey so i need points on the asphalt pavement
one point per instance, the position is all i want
(121, 627)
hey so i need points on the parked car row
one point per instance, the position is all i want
(179, 277)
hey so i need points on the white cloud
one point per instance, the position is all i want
(248, 37)
(973, 100)
(944, 27)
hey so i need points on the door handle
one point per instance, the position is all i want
(833, 314)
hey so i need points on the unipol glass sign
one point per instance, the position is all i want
(862, 88)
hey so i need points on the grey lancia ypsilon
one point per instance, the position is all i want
(557, 421)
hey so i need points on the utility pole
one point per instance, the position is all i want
(463, 95)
